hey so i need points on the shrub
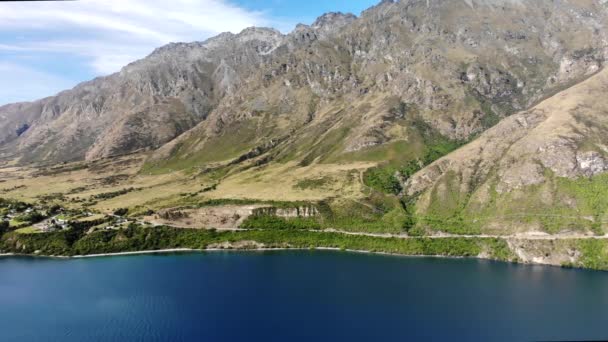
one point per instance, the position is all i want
(121, 212)
(33, 217)
(4, 227)
(382, 179)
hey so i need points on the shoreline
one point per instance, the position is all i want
(232, 250)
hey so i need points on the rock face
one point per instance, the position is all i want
(457, 65)
(546, 162)
(563, 134)
(146, 105)
(302, 211)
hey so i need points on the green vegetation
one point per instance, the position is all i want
(378, 213)
(498, 249)
(389, 177)
(8, 204)
(313, 183)
(447, 210)
(121, 211)
(30, 218)
(27, 230)
(558, 205)
(383, 179)
(590, 194)
(136, 238)
(439, 149)
(594, 254)
(4, 227)
(113, 194)
(278, 223)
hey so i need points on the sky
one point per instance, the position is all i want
(46, 47)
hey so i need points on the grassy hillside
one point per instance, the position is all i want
(540, 170)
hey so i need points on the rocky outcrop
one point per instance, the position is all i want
(302, 211)
(561, 134)
(531, 168)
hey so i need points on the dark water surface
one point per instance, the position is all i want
(287, 296)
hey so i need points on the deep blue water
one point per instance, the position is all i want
(288, 296)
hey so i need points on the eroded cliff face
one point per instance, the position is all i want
(458, 65)
(301, 211)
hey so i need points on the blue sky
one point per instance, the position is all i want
(51, 46)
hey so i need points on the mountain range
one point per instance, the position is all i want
(480, 116)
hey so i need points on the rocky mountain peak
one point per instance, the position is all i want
(259, 33)
(333, 20)
(219, 39)
(174, 48)
(381, 5)
(265, 39)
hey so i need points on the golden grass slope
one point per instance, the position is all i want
(76, 184)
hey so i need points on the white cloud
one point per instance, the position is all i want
(112, 33)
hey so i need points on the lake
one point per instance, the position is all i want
(296, 295)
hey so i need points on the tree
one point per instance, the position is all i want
(54, 209)
(383, 179)
(121, 212)
(33, 217)
(4, 227)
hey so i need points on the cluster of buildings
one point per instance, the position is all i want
(50, 220)
(118, 222)
(52, 224)
(55, 223)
